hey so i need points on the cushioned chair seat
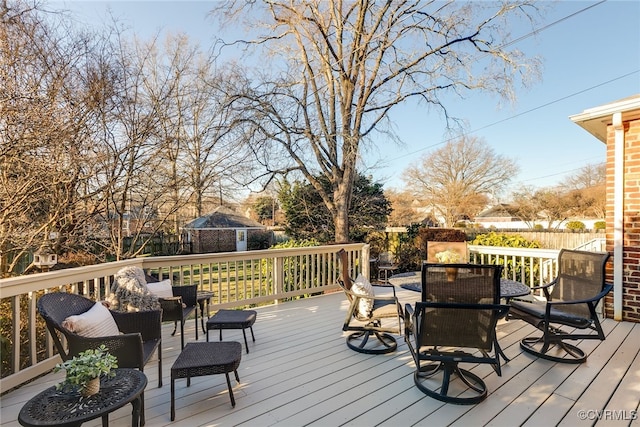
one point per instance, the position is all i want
(384, 309)
(538, 310)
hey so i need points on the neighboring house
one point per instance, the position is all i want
(618, 126)
(224, 230)
(501, 217)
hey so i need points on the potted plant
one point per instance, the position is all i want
(449, 257)
(85, 369)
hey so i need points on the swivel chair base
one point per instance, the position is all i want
(477, 389)
(381, 344)
(537, 347)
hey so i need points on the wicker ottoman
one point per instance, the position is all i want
(233, 319)
(206, 358)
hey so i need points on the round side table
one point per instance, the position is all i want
(68, 408)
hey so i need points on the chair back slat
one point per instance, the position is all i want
(581, 275)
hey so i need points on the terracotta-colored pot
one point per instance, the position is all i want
(91, 388)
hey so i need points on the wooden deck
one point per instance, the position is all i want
(300, 372)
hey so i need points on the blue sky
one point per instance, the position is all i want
(589, 59)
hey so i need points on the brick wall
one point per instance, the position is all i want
(213, 241)
(631, 220)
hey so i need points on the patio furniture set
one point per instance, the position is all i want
(455, 321)
(453, 324)
(132, 337)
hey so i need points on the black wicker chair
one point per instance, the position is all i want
(365, 327)
(141, 332)
(571, 300)
(178, 308)
(455, 324)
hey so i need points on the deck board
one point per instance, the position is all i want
(300, 372)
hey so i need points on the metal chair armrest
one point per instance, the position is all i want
(599, 296)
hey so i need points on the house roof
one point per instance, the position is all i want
(595, 120)
(501, 210)
(223, 217)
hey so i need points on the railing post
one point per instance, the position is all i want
(278, 276)
(365, 255)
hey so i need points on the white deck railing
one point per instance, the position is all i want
(237, 279)
(533, 267)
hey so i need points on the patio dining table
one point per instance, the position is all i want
(413, 281)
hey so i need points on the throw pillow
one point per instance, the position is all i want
(95, 322)
(161, 289)
(361, 286)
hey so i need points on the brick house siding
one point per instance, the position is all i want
(631, 218)
(216, 232)
(213, 241)
(599, 121)
(204, 241)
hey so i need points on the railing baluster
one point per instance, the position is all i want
(33, 337)
(237, 279)
(15, 305)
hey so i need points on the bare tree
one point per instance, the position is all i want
(48, 81)
(404, 212)
(103, 139)
(588, 186)
(525, 206)
(553, 205)
(343, 66)
(458, 178)
(591, 175)
(196, 146)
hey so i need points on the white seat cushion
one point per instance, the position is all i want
(95, 322)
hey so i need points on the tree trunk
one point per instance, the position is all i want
(341, 221)
(341, 202)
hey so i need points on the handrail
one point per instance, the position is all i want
(237, 279)
(531, 266)
(595, 245)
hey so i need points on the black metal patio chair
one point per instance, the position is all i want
(571, 300)
(366, 314)
(455, 324)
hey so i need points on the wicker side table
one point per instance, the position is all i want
(204, 298)
(206, 358)
(68, 408)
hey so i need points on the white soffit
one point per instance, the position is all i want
(595, 120)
